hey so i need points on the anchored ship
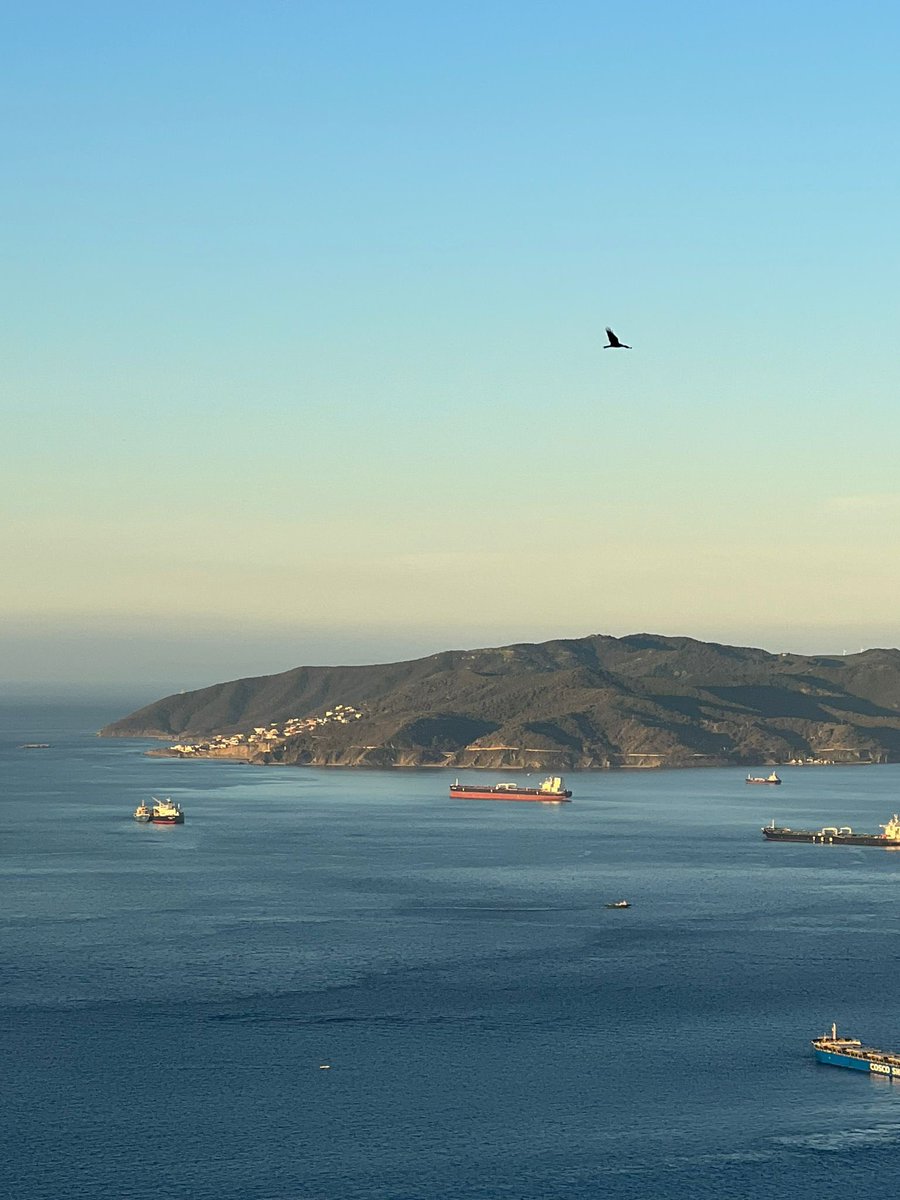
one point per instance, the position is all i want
(836, 835)
(551, 791)
(850, 1052)
(773, 778)
(163, 812)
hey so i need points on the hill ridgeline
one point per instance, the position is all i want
(593, 702)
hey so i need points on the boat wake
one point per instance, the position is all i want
(327, 1019)
(839, 1141)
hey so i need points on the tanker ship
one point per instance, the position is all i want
(551, 791)
(163, 812)
(850, 1052)
(836, 835)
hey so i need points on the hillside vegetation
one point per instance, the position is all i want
(643, 700)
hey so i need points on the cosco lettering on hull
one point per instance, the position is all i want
(850, 1052)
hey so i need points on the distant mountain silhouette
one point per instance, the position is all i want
(643, 700)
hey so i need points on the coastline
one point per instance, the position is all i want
(389, 758)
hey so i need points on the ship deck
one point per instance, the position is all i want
(855, 1050)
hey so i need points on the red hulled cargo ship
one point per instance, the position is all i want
(551, 791)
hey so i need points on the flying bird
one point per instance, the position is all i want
(614, 343)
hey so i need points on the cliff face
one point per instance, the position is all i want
(644, 700)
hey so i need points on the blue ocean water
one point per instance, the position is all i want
(169, 996)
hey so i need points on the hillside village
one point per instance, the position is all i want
(264, 738)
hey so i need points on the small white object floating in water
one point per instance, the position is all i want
(324, 1066)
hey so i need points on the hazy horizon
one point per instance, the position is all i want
(139, 665)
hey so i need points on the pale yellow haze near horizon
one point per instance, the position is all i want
(594, 568)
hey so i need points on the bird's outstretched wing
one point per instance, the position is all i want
(613, 340)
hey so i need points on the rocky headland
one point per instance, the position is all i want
(594, 702)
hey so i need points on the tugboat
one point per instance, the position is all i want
(163, 812)
(618, 904)
(773, 778)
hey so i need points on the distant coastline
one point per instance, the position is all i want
(546, 764)
(598, 703)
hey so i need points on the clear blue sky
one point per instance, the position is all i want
(303, 320)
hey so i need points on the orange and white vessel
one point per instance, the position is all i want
(162, 812)
(552, 790)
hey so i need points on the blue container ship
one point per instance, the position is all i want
(850, 1052)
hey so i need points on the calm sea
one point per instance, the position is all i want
(170, 996)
